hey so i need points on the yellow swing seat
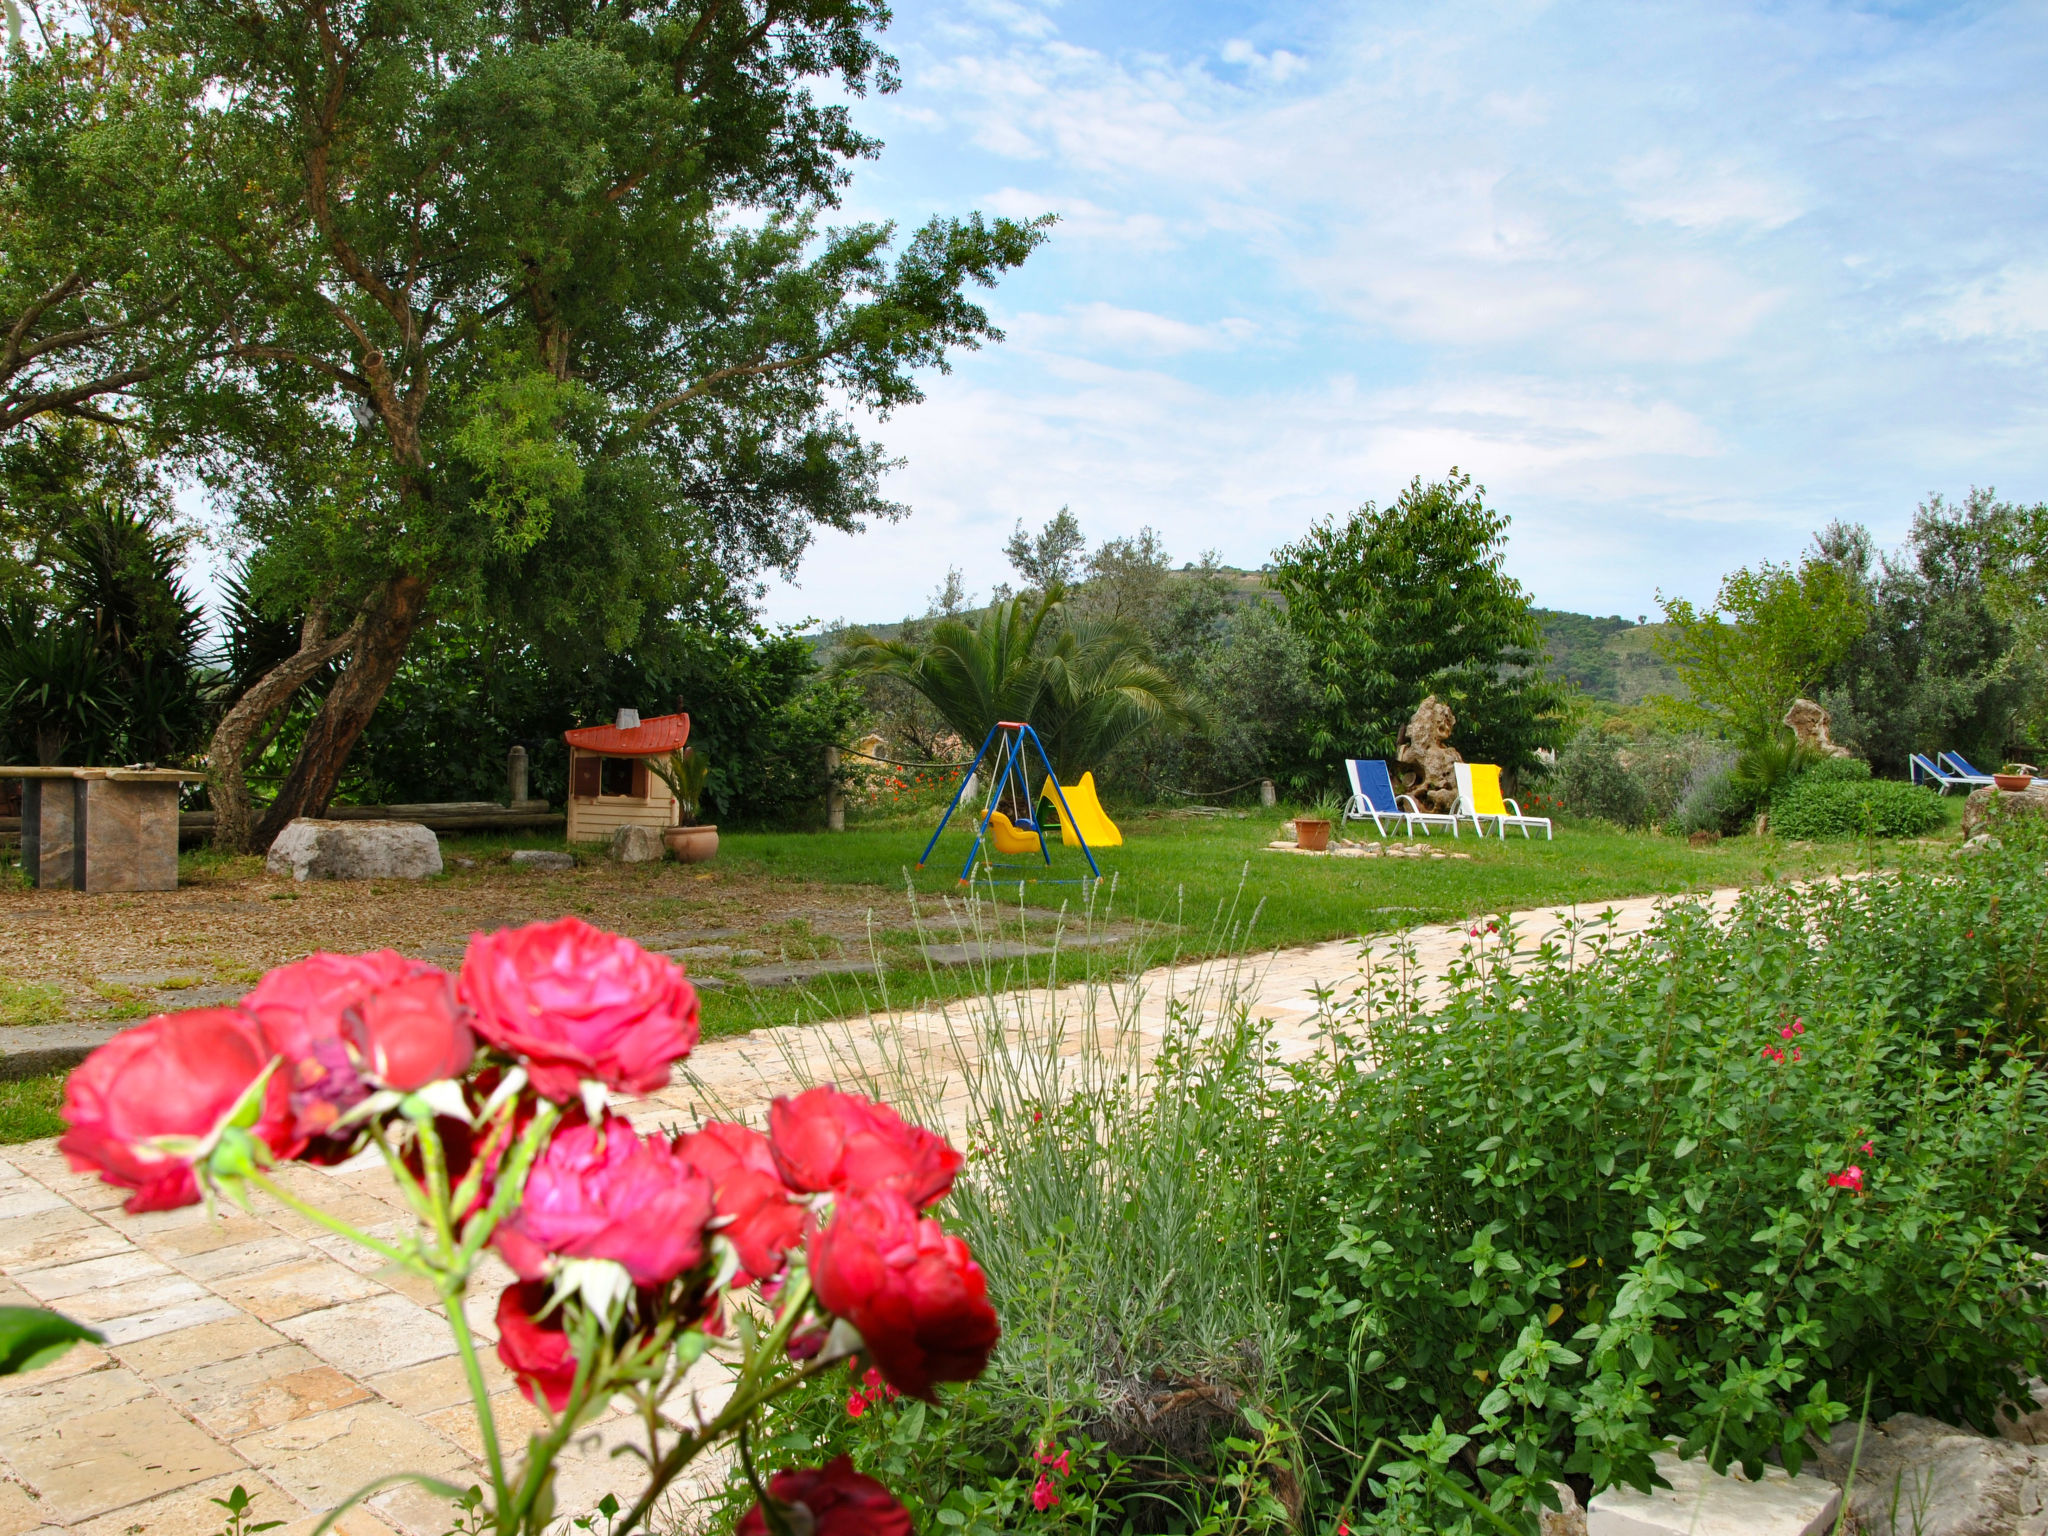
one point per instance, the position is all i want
(1005, 836)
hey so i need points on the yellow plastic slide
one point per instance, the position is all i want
(1006, 837)
(1085, 809)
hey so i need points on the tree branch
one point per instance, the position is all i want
(718, 376)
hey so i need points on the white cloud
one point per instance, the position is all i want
(1102, 327)
(2009, 305)
(1276, 66)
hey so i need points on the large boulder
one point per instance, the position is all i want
(1809, 723)
(637, 845)
(1427, 754)
(1702, 1502)
(1921, 1477)
(354, 850)
(1986, 805)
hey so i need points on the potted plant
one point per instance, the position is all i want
(684, 772)
(2014, 777)
(1312, 826)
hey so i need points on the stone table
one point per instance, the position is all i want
(100, 829)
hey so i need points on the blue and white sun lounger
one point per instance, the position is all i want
(1958, 769)
(1373, 799)
(1925, 771)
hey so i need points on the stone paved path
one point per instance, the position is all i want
(258, 1349)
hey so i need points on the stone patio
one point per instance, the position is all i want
(257, 1349)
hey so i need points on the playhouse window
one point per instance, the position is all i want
(618, 778)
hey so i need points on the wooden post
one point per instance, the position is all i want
(835, 796)
(1267, 795)
(515, 776)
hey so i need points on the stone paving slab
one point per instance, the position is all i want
(257, 1348)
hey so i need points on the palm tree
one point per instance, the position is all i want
(1085, 688)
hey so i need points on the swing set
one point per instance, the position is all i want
(1017, 829)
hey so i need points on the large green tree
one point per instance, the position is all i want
(1400, 602)
(538, 315)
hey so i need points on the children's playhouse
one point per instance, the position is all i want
(610, 784)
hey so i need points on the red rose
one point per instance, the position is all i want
(152, 1101)
(828, 1140)
(915, 1293)
(604, 1192)
(347, 1023)
(536, 1350)
(575, 1002)
(839, 1501)
(760, 1220)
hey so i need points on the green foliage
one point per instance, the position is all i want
(1592, 780)
(1822, 804)
(29, 1108)
(238, 1504)
(1050, 559)
(32, 1336)
(1399, 603)
(1774, 634)
(1711, 800)
(1769, 766)
(29, 1002)
(685, 773)
(1086, 685)
(761, 716)
(1605, 1200)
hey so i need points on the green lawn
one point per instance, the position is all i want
(1206, 887)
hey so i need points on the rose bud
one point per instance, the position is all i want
(605, 1192)
(835, 1499)
(761, 1221)
(914, 1292)
(346, 1024)
(534, 1349)
(828, 1140)
(576, 1003)
(153, 1101)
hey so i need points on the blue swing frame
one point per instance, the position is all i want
(1010, 770)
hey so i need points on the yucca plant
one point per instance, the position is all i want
(684, 772)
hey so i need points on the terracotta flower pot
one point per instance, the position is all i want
(691, 845)
(2012, 783)
(1312, 835)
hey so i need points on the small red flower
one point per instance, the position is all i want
(856, 1404)
(536, 1349)
(836, 1501)
(1867, 1147)
(1043, 1494)
(827, 1140)
(1850, 1178)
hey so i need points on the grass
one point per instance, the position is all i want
(1193, 885)
(24, 1002)
(28, 1108)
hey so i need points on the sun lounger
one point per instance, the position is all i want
(1925, 771)
(1373, 799)
(1962, 771)
(1479, 797)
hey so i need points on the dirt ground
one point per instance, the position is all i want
(70, 957)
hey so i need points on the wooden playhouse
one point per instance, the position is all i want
(610, 784)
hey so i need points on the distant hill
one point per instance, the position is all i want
(1610, 659)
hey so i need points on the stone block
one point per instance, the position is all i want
(543, 858)
(354, 850)
(191, 1512)
(1985, 806)
(184, 1349)
(247, 1394)
(637, 845)
(369, 1338)
(1921, 1477)
(1701, 1502)
(286, 1290)
(95, 1462)
(323, 1459)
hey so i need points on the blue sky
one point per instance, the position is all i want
(1678, 283)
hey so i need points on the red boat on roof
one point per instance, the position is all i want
(656, 737)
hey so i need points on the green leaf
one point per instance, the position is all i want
(32, 1337)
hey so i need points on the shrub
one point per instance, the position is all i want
(1821, 804)
(1591, 780)
(1711, 801)
(1705, 1185)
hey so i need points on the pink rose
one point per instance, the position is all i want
(835, 1500)
(152, 1101)
(348, 1023)
(536, 1350)
(604, 1192)
(915, 1293)
(574, 1002)
(828, 1140)
(761, 1221)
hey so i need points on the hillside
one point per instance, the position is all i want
(1609, 659)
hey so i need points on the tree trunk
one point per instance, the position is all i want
(387, 627)
(228, 755)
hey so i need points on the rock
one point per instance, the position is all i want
(2027, 1423)
(1567, 1519)
(1921, 1477)
(1427, 752)
(1699, 1502)
(542, 858)
(354, 850)
(1809, 724)
(637, 845)
(1986, 805)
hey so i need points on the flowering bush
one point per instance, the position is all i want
(636, 1254)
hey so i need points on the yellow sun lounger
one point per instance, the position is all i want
(1479, 797)
(1086, 811)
